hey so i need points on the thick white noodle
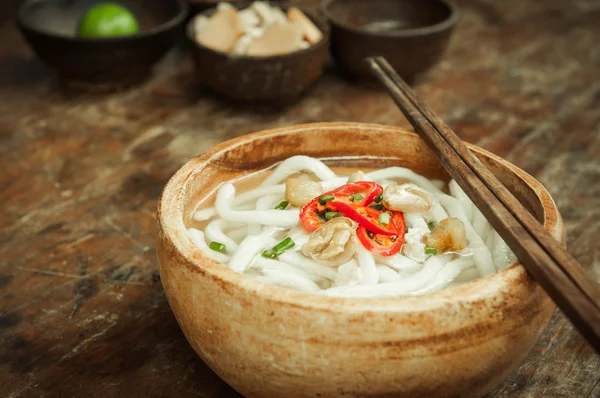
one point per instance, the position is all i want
(284, 279)
(446, 275)
(250, 247)
(300, 261)
(481, 224)
(348, 274)
(503, 256)
(367, 266)
(437, 212)
(198, 238)
(416, 221)
(467, 275)
(267, 202)
(333, 183)
(256, 193)
(439, 184)
(214, 233)
(238, 234)
(278, 218)
(296, 164)
(299, 235)
(386, 274)
(267, 263)
(490, 241)
(402, 287)
(462, 197)
(205, 214)
(391, 173)
(399, 262)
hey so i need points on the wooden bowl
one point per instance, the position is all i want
(50, 27)
(411, 35)
(267, 341)
(274, 80)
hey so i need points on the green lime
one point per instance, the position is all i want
(107, 20)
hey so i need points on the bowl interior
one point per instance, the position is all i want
(61, 17)
(359, 144)
(388, 16)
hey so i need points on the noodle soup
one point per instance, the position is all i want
(345, 232)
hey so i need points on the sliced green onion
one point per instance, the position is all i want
(268, 254)
(282, 205)
(384, 218)
(378, 198)
(325, 199)
(356, 197)
(431, 225)
(331, 214)
(282, 246)
(430, 250)
(218, 247)
(376, 206)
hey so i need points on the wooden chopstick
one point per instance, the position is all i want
(558, 273)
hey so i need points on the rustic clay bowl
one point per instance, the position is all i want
(100, 64)
(267, 341)
(274, 80)
(411, 35)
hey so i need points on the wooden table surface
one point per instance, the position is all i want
(82, 310)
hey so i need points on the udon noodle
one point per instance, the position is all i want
(387, 232)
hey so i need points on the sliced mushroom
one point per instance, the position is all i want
(301, 188)
(407, 198)
(449, 235)
(358, 176)
(333, 243)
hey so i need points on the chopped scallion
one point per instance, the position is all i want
(430, 250)
(431, 225)
(384, 218)
(378, 198)
(325, 199)
(282, 205)
(218, 247)
(376, 206)
(268, 254)
(331, 214)
(282, 246)
(356, 197)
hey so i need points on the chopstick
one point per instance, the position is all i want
(561, 276)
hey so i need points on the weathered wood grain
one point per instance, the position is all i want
(82, 311)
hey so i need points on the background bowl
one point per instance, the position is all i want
(270, 80)
(411, 35)
(266, 341)
(197, 6)
(105, 63)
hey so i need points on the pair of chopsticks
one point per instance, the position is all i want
(561, 276)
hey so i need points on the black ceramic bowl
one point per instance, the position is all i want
(412, 35)
(104, 63)
(274, 80)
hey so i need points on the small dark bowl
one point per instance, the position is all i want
(275, 80)
(50, 27)
(197, 6)
(411, 35)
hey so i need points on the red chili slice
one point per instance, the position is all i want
(384, 245)
(311, 213)
(365, 216)
(368, 189)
